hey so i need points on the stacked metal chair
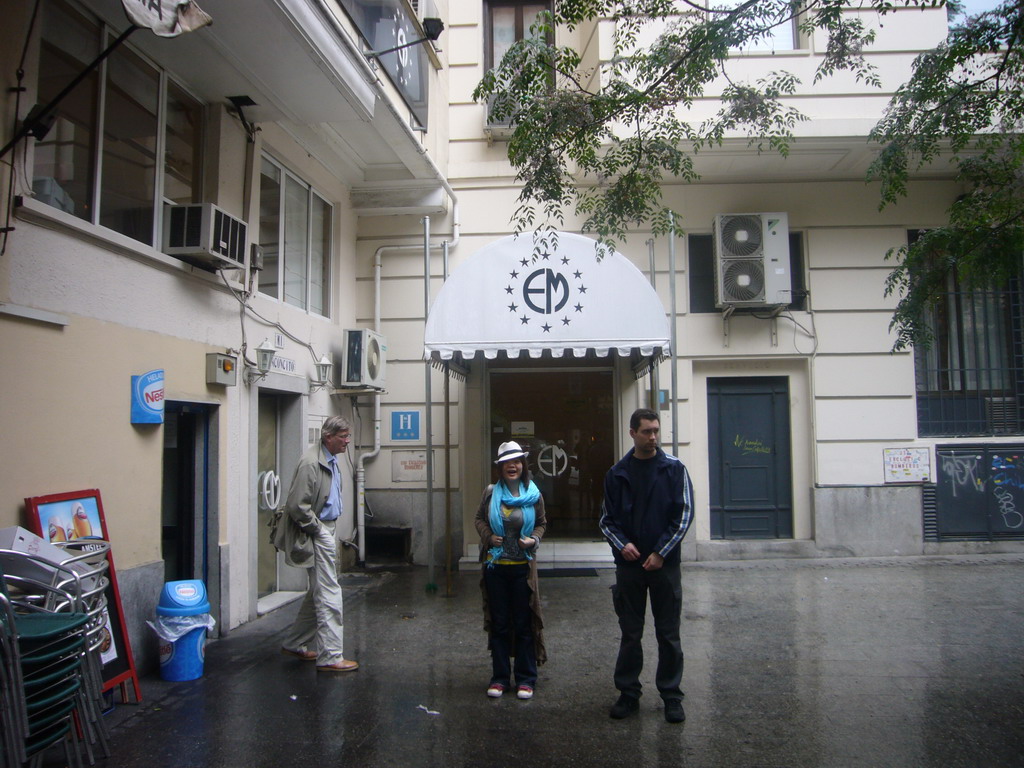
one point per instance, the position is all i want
(89, 559)
(42, 651)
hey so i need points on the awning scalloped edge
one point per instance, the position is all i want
(468, 352)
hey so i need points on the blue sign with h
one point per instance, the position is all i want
(405, 425)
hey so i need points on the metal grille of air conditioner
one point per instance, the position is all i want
(743, 279)
(752, 265)
(202, 233)
(741, 236)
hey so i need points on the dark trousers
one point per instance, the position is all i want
(629, 595)
(508, 597)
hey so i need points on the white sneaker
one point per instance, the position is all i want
(495, 690)
(525, 692)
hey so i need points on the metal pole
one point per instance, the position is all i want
(654, 364)
(672, 333)
(428, 422)
(447, 453)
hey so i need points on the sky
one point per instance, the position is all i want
(977, 6)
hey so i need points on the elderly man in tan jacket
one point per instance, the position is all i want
(314, 504)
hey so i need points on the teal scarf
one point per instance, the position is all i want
(500, 495)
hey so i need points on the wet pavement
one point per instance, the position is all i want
(867, 662)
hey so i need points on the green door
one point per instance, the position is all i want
(750, 462)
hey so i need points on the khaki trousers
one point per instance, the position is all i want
(319, 625)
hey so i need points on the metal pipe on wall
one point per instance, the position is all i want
(654, 366)
(428, 407)
(672, 334)
(378, 265)
(447, 453)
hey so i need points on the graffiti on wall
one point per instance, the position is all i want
(961, 472)
(1007, 477)
(997, 478)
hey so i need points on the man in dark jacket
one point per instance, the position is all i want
(648, 507)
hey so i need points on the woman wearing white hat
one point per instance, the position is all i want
(511, 523)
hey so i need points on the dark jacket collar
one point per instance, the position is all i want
(661, 459)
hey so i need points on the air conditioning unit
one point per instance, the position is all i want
(203, 234)
(752, 260)
(364, 359)
(494, 128)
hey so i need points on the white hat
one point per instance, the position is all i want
(509, 450)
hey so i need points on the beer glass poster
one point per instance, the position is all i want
(75, 517)
(71, 519)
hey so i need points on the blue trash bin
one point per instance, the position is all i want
(182, 659)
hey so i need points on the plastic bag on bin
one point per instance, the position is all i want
(171, 628)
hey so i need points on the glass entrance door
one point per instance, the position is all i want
(267, 462)
(565, 419)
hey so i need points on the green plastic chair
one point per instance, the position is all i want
(81, 572)
(90, 558)
(43, 644)
(31, 723)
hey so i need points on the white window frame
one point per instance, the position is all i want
(311, 194)
(767, 45)
(105, 37)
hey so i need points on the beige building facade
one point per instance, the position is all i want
(804, 433)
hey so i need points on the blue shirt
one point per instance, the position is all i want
(332, 509)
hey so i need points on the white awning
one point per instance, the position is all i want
(505, 298)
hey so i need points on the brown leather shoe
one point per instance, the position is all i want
(345, 665)
(304, 655)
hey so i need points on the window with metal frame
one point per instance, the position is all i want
(507, 22)
(970, 380)
(295, 231)
(781, 32)
(124, 142)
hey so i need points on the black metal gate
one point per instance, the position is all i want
(979, 493)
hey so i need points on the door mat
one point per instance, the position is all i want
(548, 573)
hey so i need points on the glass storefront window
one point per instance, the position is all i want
(64, 162)
(112, 137)
(130, 130)
(270, 226)
(183, 148)
(296, 241)
(296, 233)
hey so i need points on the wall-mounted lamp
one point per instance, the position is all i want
(432, 29)
(264, 359)
(323, 374)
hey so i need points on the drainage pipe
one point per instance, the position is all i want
(378, 261)
(654, 365)
(447, 453)
(428, 407)
(672, 333)
(372, 77)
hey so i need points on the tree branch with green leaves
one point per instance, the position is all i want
(600, 141)
(964, 103)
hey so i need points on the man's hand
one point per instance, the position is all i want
(631, 553)
(653, 562)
